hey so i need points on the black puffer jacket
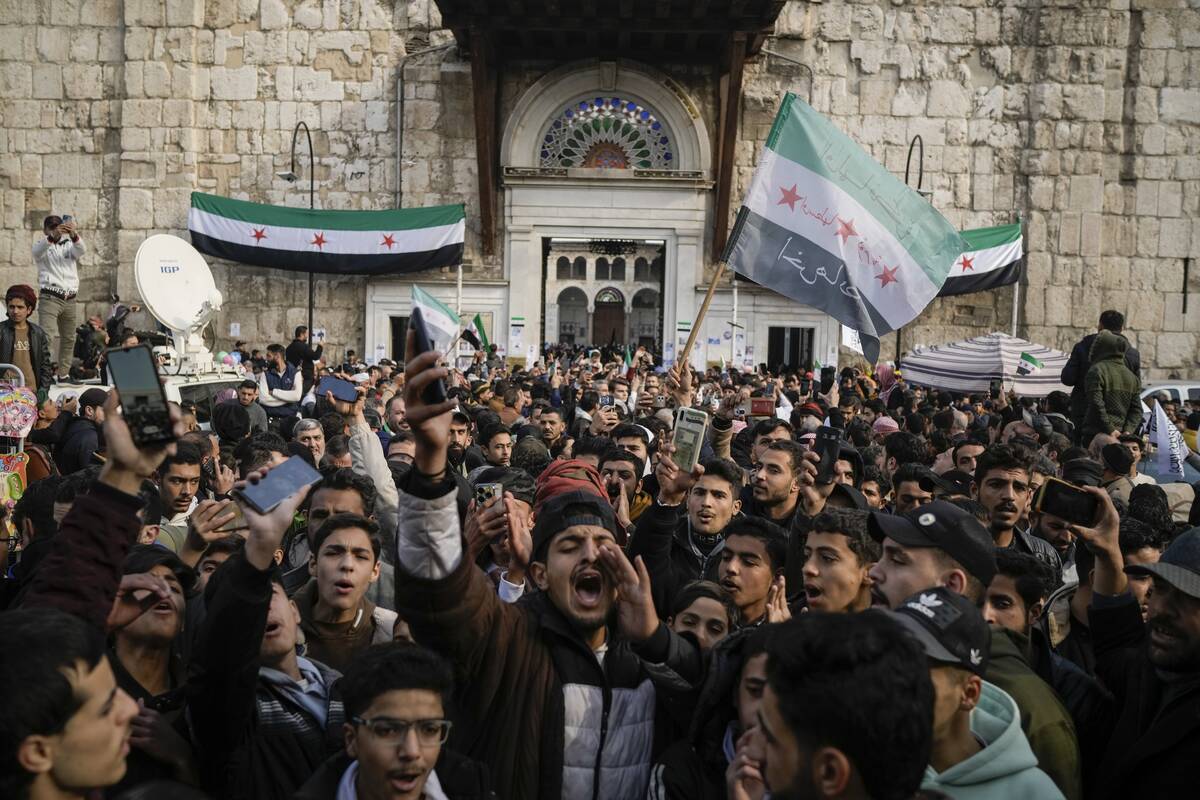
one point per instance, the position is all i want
(78, 445)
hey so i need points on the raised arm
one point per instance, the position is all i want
(368, 459)
(82, 573)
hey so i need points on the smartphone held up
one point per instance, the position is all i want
(134, 373)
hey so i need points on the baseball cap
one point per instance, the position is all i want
(568, 509)
(954, 481)
(92, 397)
(945, 526)
(1179, 564)
(948, 626)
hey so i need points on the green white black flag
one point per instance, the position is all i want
(386, 242)
(992, 259)
(826, 225)
(441, 323)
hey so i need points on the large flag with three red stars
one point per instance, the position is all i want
(392, 241)
(993, 258)
(826, 225)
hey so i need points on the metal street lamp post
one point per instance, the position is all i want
(291, 177)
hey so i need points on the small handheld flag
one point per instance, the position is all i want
(476, 335)
(1027, 365)
(440, 319)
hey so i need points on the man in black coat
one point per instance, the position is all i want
(81, 439)
(1081, 360)
(1152, 668)
(301, 356)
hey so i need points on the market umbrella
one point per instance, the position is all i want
(970, 366)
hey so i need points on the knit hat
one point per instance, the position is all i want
(24, 292)
(568, 476)
(562, 511)
(1117, 458)
(230, 421)
(884, 425)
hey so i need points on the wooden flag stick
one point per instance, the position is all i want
(712, 288)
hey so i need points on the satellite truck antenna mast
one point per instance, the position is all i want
(178, 289)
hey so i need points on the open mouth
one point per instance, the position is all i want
(404, 782)
(272, 628)
(164, 607)
(705, 516)
(812, 591)
(343, 587)
(1161, 637)
(589, 588)
(733, 587)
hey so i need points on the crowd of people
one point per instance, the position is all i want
(517, 592)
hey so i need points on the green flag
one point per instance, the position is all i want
(828, 226)
(1027, 365)
(440, 320)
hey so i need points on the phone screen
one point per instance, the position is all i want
(1067, 502)
(281, 482)
(342, 390)
(143, 403)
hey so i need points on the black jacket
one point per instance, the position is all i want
(39, 353)
(460, 778)
(78, 444)
(252, 742)
(301, 356)
(663, 543)
(1156, 741)
(1077, 368)
(1039, 548)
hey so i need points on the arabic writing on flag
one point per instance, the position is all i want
(1170, 450)
(826, 225)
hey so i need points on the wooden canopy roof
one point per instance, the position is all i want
(648, 30)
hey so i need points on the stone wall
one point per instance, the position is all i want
(1081, 117)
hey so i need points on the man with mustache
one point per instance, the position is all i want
(556, 701)
(1152, 667)
(1003, 487)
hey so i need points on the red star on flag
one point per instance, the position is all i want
(388, 241)
(259, 234)
(789, 196)
(968, 264)
(846, 229)
(887, 276)
(319, 240)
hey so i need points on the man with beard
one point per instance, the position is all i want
(1003, 487)
(681, 534)
(846, 711)
(775, 483)
(555, 701)
(621, 472)
(1152, 667)
(463, 456)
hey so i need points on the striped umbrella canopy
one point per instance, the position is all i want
(969, 366)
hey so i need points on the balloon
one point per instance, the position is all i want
(236, 356)
(227, 360)
(221, 355)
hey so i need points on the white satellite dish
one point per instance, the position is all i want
(177, 287)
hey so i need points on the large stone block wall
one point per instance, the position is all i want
(1081, 117)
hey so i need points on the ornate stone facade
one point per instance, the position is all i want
(1082, 118)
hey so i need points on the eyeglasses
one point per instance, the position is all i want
(394, 731)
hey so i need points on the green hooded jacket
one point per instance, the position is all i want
(1005, 768)
(1113, 393)
(1045, 721)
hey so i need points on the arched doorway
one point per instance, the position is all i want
(572, 316)
(608, 320)
(645, 317)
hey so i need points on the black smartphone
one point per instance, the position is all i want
(805, 387)
(143, 401)
(827, 445)
(435, 392)
(342, 389)
(281, 482)
(1067, 501)
(994, 389)
(828, 374)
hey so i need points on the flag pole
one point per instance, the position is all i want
(716, 278)
(1016, 305)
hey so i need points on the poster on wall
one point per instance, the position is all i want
(516, 337)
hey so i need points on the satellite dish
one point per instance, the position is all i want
(177, 287)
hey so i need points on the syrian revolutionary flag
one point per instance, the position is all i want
(826, 225)
(386, 242)
(992, 258)
(476, 335)
(441, 323)
(1027, 364)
